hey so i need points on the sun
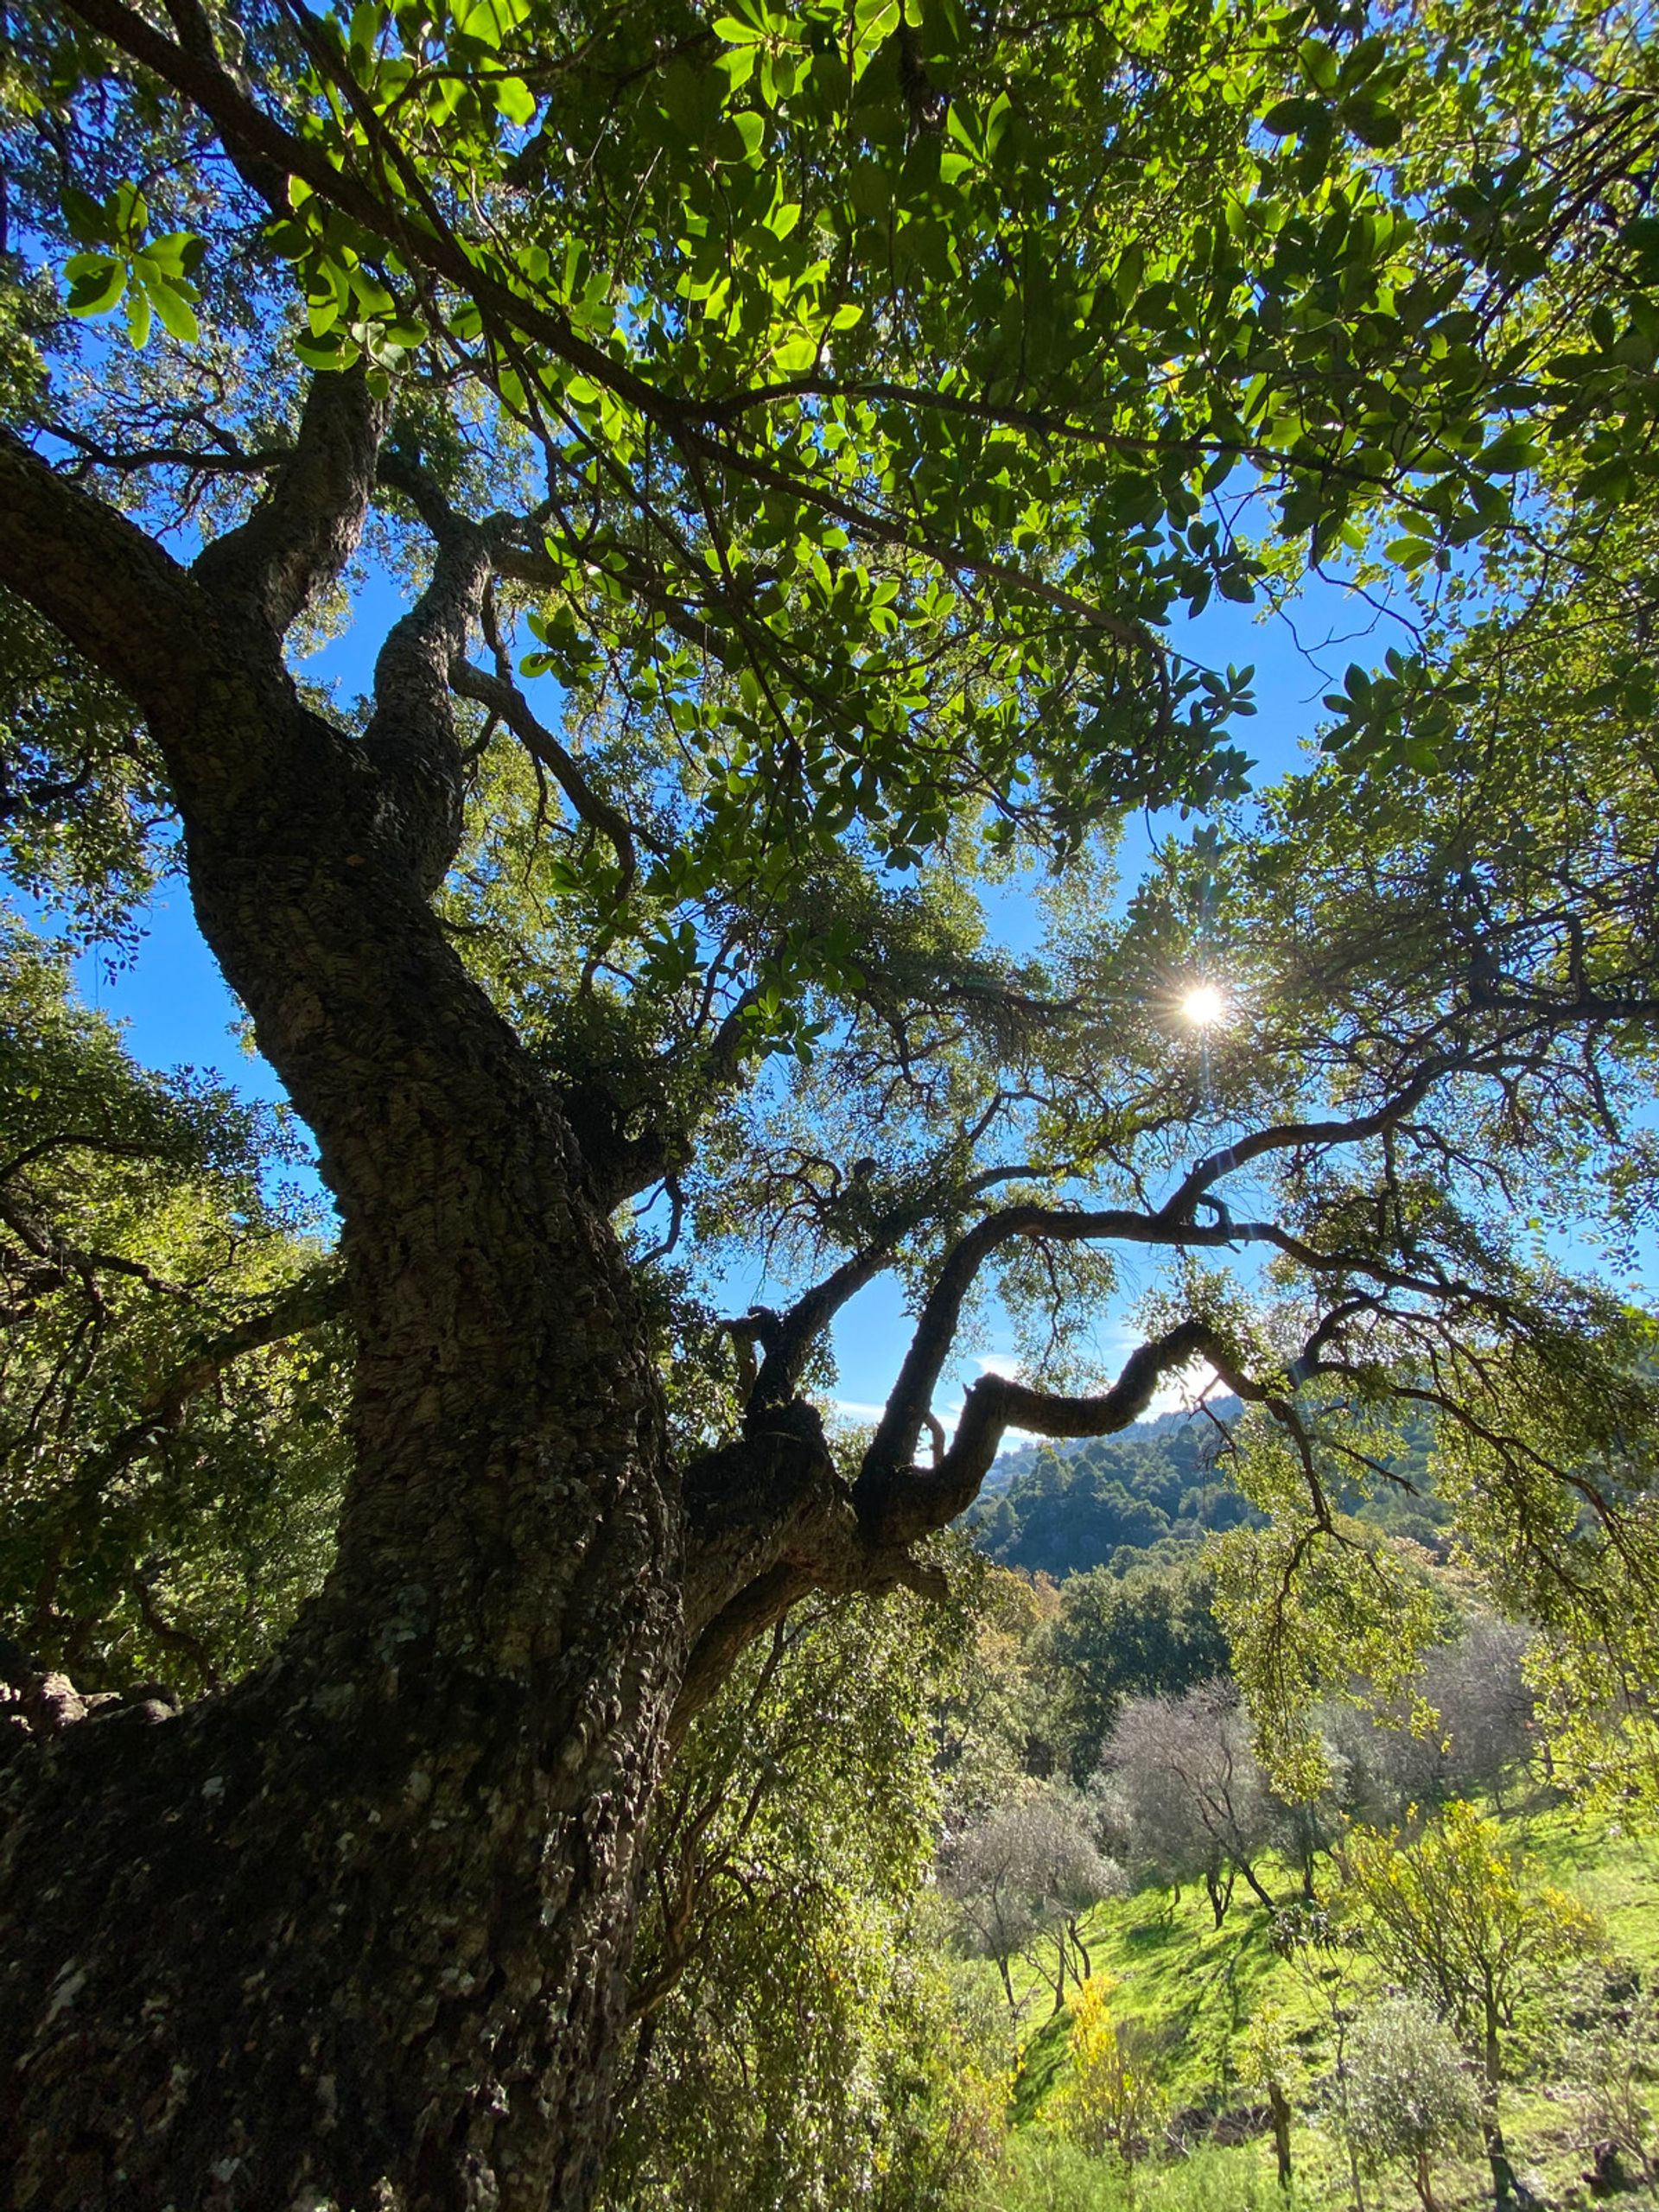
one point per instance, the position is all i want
(1204, 1005)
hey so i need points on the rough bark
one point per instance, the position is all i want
(355, 1933)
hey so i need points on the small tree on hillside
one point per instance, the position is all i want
(1321, 1952)
(1456, 1915)
(1612, 2069)
(1270, 2063)
(1409, 2095)
(1185, 1791)
(1022, 1878)
(1112, 2101)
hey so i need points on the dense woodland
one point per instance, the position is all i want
(1164, 1485)
(479, 1732)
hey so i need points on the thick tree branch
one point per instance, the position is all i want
(894, 1442)
(897, 1506)
(788, 1343)
(113, 593)
(411, 734)
(309, 524)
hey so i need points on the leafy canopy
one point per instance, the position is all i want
(863, 389)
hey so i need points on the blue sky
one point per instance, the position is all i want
(176, 1010)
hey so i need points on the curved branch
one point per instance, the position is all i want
(788, 1343)
(411, 734)
(894, 1442)
(897, 1506)
(505, 700)
(1170, 1224)
(308, 525)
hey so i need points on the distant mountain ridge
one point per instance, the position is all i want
(1011, 1465)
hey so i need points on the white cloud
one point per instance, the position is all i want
(999, 1363)
(1180, 1392)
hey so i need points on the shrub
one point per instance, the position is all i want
(1409, 2095)
(1111, 2103)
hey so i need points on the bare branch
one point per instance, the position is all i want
(505, 700)
(896, 1506)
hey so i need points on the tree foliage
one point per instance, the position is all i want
(1148, 1633)
(1409, 2096)
(791, 2044)
(172, 1372)
(1454, 1914)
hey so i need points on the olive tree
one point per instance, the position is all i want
(1180, 1786)
(1409, 2096)
(1022, 1877)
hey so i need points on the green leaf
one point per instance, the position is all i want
(1371, 122)
(178, 317)
(1292, 116)
(749, 129)
(97, 282)
(84, 217)
(1512, 450)
(1409, 553)
(175, 253)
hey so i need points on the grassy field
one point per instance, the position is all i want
(1193, 1988)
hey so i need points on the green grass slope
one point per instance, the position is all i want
(1193, 1988)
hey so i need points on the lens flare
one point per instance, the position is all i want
(1203, 1005)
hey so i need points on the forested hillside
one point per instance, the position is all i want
(1162, 1486)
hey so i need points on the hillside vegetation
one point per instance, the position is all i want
(1158, 1488)
(1192, 1990)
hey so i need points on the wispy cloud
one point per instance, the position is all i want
(999, 1363)
(1180, 1392)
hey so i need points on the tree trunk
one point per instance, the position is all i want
(1279, 2109)
(1007, 1983)
(1424, 2183)
(1220, 1894)
(1253, 1882)
(1082, 1949)
(354, 1934)
(1497, 2156)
